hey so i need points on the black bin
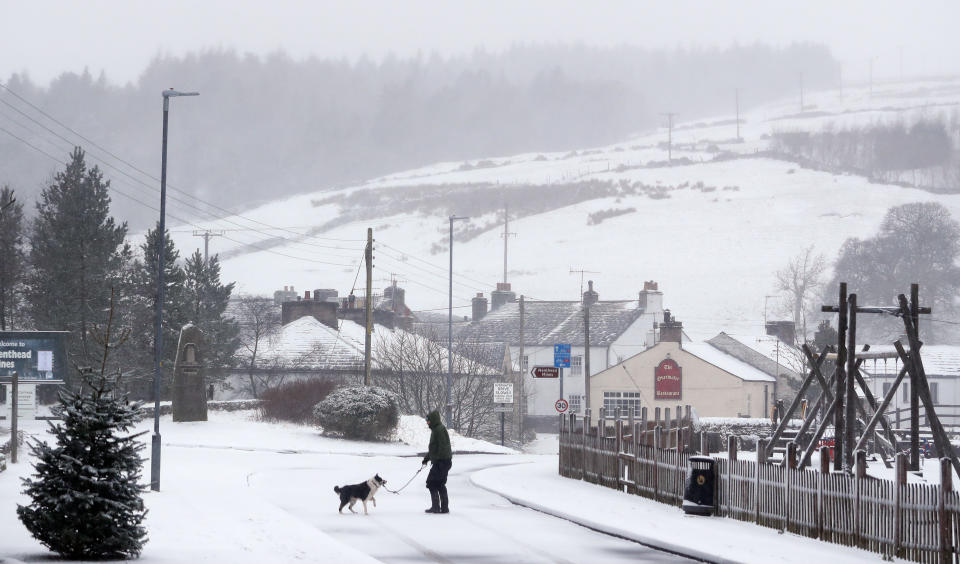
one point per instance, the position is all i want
(700, 495)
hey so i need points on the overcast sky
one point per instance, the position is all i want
(47, 37)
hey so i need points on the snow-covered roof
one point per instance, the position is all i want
(546, 323)
(763, 352)
(708, 353)
(309, 344)
(938, 360)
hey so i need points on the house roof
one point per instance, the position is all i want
(938, 360)
(550, 322)
(309, 344)
(764, 353)
(724, 361)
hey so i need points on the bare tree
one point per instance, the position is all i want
(414, 366)
(801, 281)
(259, 321)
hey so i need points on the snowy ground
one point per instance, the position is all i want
(238, 490)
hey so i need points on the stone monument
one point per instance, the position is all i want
(189, 390)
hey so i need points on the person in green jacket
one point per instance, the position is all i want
(441, 456)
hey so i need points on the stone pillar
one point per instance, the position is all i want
(189, 390)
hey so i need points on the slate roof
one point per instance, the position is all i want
(758, 352)
(938, 360)
(549, 322)
(308, 344)
(708, 353)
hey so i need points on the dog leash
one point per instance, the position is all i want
(408, 482)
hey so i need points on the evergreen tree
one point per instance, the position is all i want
(206, 302)
(143, 299)
(12, 257)
(85, 495)
(76, 248)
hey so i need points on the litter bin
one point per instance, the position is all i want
(700, 495)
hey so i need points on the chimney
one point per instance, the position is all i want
(651, 299)
(306, 294)
(671, 330)
(479, 306)
(783, 330)
(501, 295)
(590, 297)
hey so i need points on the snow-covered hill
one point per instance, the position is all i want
(710, 232)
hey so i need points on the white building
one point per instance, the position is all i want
(618, 330)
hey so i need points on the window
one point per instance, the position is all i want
(575, 404)
(622, 400)
(576, 366)
(886, 388)
(525, 364)
(933, 393)
(906, 392)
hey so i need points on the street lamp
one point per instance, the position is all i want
(158, 321)
(450, 331)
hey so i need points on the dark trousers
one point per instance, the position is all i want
(437, 482)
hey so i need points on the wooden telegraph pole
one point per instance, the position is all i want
(368, 259)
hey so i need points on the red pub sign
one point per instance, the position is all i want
(667, 379)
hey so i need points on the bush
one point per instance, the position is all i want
(359, 412)
(294, 401)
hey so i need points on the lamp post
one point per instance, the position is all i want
(450, 332)
(158, 315)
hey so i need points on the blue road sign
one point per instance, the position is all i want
(561, 356)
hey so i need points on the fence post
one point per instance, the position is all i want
(667, 425)
(944, 516)
(761, 448)
(859, 475)
(583, 458)
(619, 445)
(900, 480)
(643, 424)
(678, 475)
(598, 451)
(821, 478)
(789, 463)
(731, 459)
(657, 441)
(704, 444)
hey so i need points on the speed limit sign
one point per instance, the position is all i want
(561, 405)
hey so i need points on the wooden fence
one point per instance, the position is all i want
(918, 522)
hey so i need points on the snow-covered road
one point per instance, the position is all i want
(482, 526)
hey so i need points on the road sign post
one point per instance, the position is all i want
(561, 360)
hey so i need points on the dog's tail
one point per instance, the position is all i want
(336, 489)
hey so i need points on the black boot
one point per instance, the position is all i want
(444, 502)
(434, 502)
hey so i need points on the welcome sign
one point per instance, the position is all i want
(34, 355)
(667, 380)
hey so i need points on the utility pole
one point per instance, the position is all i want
(586, 356)
(801, 92)
(207, 235)
(450, 332)
(368, 259)
(736, 93)
(506, 235)
(523, 373)
(670, 116)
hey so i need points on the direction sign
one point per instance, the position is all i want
(561, 405)
(561, 356)
(545, 372)
(502, 392)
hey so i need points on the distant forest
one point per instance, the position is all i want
(268, 127)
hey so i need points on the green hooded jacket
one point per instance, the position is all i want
(439, 439)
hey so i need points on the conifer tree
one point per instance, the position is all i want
(76, 248)
(86, 495)
(206, 302)
(143, 299)
(12, 257)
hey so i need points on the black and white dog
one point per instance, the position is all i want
(364, 491)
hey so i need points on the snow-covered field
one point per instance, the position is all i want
(241, 491)
(714, 248)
